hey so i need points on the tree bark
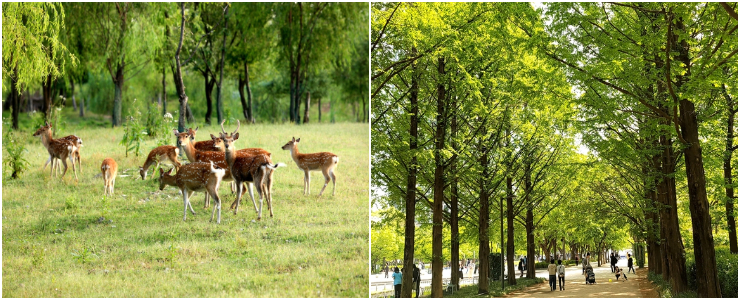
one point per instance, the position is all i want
(210, 83)
(177, 76)
(729, 185)
(483, 217)
(15, 97)
(72, 91)
(454, 226)
(319, 100)
(164, 91)
(308, 105)
(118, 81)
(529, 221)
(511, 272)
(219, 92)
(438, 186)
(410, 225)
(250, 111)
(46, 92)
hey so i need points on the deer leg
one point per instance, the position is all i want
(79, 160)
(185, 202)
(268, 187)
(47, 162)
(251, 195)
(259, 185)
(306, 182)
(205, 201)
(64, 162)
(334, 182)
(112, 185)
(74, 170)
(235, 204)
(190, 204)
(326, 182)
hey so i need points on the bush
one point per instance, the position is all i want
(14, 161)
(541, 265)
(726, 271)
(494, 262)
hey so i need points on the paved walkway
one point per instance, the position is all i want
(637, 285)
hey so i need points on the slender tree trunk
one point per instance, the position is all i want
(510, 232)
(529, 221)
(118, 98)
(15, 97)
(177, 76)
(46, 92)
(308, 105)
(319, 100)
(210, 82)
(245, 111)
(164, 91)
(219, 92)
(250, 111)
(454, 226)
(72, 91)
(483, 217)
(706, 276)
(410, 225)
(729, 185)
(439, 182)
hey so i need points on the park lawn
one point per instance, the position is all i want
(471, 291)
(61, 238)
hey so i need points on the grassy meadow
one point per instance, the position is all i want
(62, 238)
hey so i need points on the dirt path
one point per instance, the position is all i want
(637, 285)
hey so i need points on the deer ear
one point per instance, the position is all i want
(293, 139)
(236, 136)
(213, 137)
(196, 128)
(298, 140)
(177, 134)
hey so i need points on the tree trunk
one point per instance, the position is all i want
(250, 110)
(210, 83)
(118, 98)
(15, 97)
(219, 92)
(319, 100)
(729, 185)
(510, 232)
(410, 225)
(454, 226)
(164, 91)
(438, 187)
(308, 105)
(46, 91)
(483, 247)
(177, 76)
(72, 91)
(241, 83)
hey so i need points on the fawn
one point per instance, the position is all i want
(75, 140)
(160, 154)
(324, 161)
(197, 176)
(255, 168)
(207, 145)
(109, 168)
(58, 148)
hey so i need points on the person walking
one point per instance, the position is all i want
(551, 270)
(416, 280)
(386, 270)
(615, 259)
(521, 267)
(629, 264)
(561, 275)
(397, 282)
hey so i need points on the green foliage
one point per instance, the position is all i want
(15, 160)
(494, 266)
(133, 135)
(726, 271)
(84, 255)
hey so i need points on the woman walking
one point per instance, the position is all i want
(629, 264)
(521, 267)
(397, 282)
(561, 275)
(551, 270)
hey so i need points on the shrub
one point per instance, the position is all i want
(494, 262)
(14, 161)
(726, 271)
(133, 135)
(540, 265)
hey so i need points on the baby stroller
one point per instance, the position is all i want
(590, 276)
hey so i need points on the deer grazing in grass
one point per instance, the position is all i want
(158, 155)
(324, 161)
(75, 140)
(109, 168)
(197, 176)
(244, 168)
(59, 149)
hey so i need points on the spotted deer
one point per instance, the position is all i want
(75, 140)
(197, 176)
(57, 148)
(159, 155)
(207, 145)
(255, 168)
(109, 168)
(324, 161)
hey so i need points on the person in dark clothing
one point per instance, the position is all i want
(611, 262)
(416, 280)
(629, 264)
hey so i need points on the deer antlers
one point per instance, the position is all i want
(224, 130)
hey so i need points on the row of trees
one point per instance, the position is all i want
(566, 121)
(300, 50)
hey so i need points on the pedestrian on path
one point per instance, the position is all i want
(552, 269)
(386, 270)
(397, 282)
(586, 262)
(615, 259)
(561, 275)
(521, 267)
(416, 280)
(629, 264)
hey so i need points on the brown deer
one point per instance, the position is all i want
(158, 155)
(60, 149)
(207, 145)
(109, 168)
(324, 161)
(71, 138)
(244, 168)
(197, 176)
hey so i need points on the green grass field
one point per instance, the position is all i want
(61, 238)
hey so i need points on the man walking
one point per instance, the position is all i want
(629, 264)
(416, 280)
(551, 270)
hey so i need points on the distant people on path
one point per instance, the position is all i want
(521, 267)
(552, 270)
(615, 259)
(387, 268)
(629, 264)
(576, 260)
(397, 282)
(561, 275)
(416, 280)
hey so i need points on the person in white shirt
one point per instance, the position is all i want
(561, 275)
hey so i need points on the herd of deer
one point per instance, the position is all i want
(211, 162)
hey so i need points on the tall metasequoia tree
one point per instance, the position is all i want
(439, 183)
(410, 225)
(727, 167)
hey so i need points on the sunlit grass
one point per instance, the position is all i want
(63, 239)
